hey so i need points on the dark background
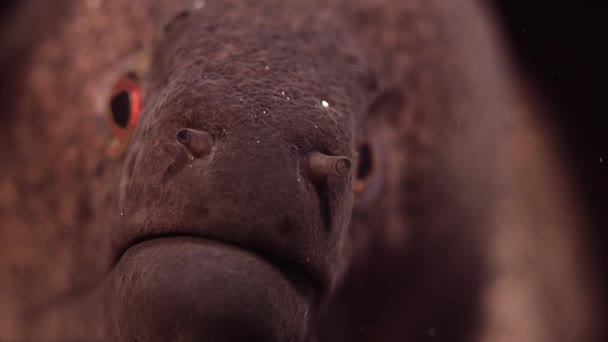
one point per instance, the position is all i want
(561, 46)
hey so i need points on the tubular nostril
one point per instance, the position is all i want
(321, 165)
(199, 143)
(183, 137)
(342, 165)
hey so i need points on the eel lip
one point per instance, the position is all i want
(297, 275)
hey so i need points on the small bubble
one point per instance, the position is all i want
(264, 112)
(267, 67)
(121, 213)
(287, 98)
(241, 99)
(325, 103)
(601, 160)
(316, 126)
(283, 93)
(257, 141)
(190, 165)
(307, 259)
(255, 116)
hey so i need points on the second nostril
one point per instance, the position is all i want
(198, 142)
(321, 166)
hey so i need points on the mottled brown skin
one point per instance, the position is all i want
(242, 241)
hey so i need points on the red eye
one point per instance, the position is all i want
(125, 106)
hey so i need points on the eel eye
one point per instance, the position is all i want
(125, 106)
(365, 166)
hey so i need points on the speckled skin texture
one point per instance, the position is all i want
(241, 243)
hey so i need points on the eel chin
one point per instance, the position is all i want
(182, 288)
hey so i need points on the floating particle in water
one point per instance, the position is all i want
(325, 103)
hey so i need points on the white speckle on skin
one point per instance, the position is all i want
(94, 4)
(264, 112)
(198, 4)
(325, 103)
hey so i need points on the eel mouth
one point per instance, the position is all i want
(294, 272)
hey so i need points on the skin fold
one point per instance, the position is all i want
(301, 170)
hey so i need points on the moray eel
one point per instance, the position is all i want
(275, 171)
